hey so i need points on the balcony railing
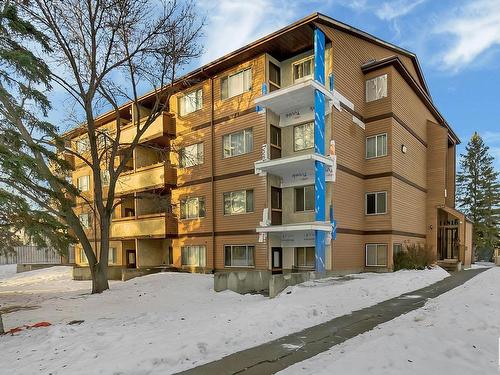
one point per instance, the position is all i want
(146, 178)
(161, 126)
(146, 226)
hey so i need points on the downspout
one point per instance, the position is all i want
(212, 179)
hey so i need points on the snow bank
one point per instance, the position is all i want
(7, 270)
(168, 322)
(455, 333)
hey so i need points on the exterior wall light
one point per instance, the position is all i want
(403, 149)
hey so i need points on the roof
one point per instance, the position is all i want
(297, 37)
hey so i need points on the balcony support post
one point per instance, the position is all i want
(319, 147)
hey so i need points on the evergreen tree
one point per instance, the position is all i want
(22, 77)
(478, 195)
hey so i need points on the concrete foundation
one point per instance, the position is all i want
(242, 281)
(116, 272)
(32, 267)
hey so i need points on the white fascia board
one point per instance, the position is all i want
(315, 225)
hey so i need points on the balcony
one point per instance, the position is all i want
(296, 234)
(163, 125)
(146, 178)
(146, 226)
(295, 170)
(295, 103)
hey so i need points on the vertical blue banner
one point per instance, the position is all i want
(319, 147)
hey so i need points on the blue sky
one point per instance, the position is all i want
(457, 42)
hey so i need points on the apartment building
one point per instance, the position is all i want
(317, 147)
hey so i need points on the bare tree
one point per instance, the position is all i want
(105, 53)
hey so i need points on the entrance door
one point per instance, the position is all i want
(131, 261)
(277, 260)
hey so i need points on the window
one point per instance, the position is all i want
(303, 136)
(238, 202)
(376, 254)
(192, 208)
(193, 256)
(236, 84)
(83, 257)
(274, 77)
(103, 138)
(105, 177)
(275, 135)
(238, 143)
(85, 220)
(112, 255)
(376, 203)
(304, 198)
(305, 257)
(190, 156)
(376, 146)
(191, 102)
(397, 248)
(82, 145)
(376, 88)
(239, 255)
(303, 69)
(82, 183)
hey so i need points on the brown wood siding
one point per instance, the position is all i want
(348, 198)
(200, 225)
(408, 208)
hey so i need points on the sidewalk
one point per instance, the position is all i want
(279, 354)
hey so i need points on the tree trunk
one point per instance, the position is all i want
(1, 325)
(99, 279)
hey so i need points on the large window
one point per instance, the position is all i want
(83, 257)
(376, 203)
(192, 208)
(376, 254)
(238, 143)
(239, 255)
(274, 77)
(82, 145)
(190, 156)
(112, 255)
(191, 102)
(303, 69)
(303, 136)
(376, 146)
(85, 220)
(304, 198)
(193, 256)
(305, 257)
(376, 88)
(236, 84)
(82, 183)
(238, 202)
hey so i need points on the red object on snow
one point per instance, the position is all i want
(36, 325)
(41, 324)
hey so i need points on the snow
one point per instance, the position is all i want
(169, 322)
(455, 333)
(7, 270)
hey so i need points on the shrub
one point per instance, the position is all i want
(414, 257)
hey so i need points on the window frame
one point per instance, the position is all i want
(376, 146)
(229, 135)
(198, 157)
(87, 177)
(296, 257)
(376, 204)
(302, 61)
(202, 261)
(83, 257)
(304, 198)
(247, 246)
(182, 105)
(246, 202)
(105, 180)
(228, 77)
(386, 88)
(184, 201)
(394, 244)
(82, 141)
(294, 137)
(112, 260)
(376, 257)
(89, 219)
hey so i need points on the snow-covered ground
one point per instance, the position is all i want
(168, 322)
(455, 333)
(7, 270)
